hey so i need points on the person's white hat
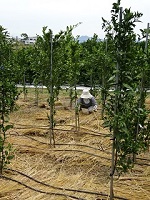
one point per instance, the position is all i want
(86, 94)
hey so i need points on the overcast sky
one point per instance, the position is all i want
(29, 16)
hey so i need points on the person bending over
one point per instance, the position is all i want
(87, 102)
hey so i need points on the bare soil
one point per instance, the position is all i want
(78, 167)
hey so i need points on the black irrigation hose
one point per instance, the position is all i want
(81, 151)
(66, 130)
(101, 134)
(29, 138)
(81, 127)
(37, 190)
(145, 159)
(142, 164)
(66, 189)
(46, 126)
(71, 150)
(43, 127)
(68, 144)
(83, 145)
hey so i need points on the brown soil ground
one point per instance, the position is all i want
(78, 167)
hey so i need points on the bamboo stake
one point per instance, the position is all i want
(52, 140)
(115, 129)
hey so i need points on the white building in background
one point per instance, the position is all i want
(29, 40)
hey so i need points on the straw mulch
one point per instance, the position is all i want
(77, 167)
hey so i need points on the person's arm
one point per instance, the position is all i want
(94, 101)
(79, 103)
(94, 104)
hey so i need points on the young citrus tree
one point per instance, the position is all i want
(8, 94)
(124, 112)
(52, 64)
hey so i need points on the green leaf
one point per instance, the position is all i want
(127, 86)
(10, 157)
(6, 153)
(6, 128)
(111, 78)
